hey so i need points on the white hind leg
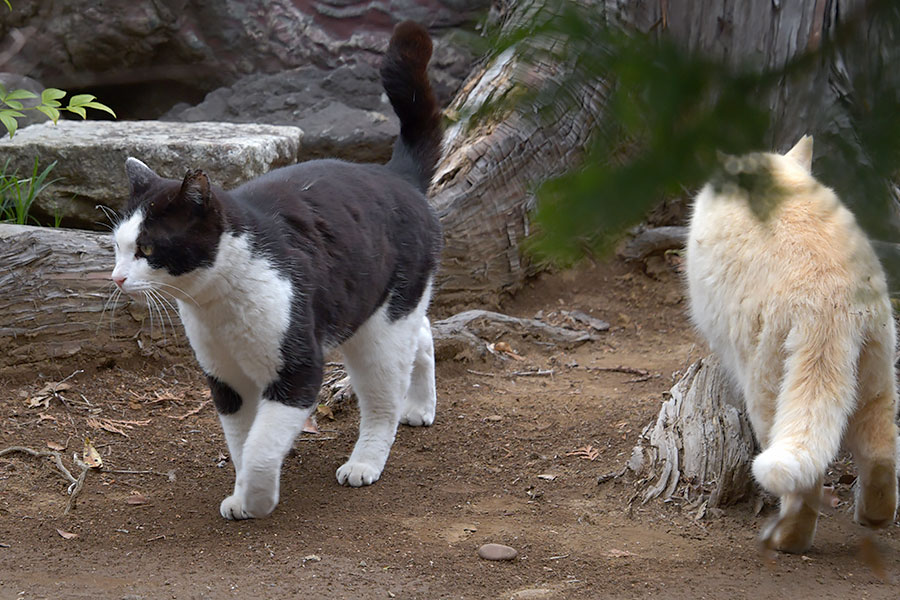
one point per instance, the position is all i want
(379, 359)
(419, 406)
(794, 528)
(872, 436)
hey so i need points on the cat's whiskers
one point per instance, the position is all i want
(164, 304)
(114, 300)
(178, 289)
(153, 305)
(113, 217)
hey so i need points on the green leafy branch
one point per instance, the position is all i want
(670, 111)
(11, 105)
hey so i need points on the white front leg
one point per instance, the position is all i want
(256, 486)
(236, 427)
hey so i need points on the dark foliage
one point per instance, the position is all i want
(672, 114)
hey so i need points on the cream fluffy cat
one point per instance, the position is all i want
(791, 297)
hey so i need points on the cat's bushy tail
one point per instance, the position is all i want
(817, 396)
(405, 79)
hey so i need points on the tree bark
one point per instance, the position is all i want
(54, 305)
(700, 448)
(57, 304)
(484, 185)
(483, 190)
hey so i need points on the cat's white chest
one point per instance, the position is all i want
(238, 328)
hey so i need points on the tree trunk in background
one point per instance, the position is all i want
(484, 186)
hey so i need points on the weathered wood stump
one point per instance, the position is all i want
(56, 303)
(701, 446)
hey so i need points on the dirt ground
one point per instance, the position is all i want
(495, 467)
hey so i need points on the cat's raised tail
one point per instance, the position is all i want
(405, 79)
(817, 395)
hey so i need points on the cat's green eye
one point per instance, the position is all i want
(145, 250)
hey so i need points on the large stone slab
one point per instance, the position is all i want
(344, 112)
(91, 155)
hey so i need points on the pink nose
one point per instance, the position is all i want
(119, 281)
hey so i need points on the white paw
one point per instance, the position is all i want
(357, 474)
(248, 506)
(232, 508)
(418, 417)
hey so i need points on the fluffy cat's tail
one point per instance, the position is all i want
(405, 79)
(817, 396)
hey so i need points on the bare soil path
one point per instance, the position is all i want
(497, 466)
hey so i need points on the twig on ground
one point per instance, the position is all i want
(75, 484)
(76, 487)
(191, 412)
(132, 472)
(622, 369)
(481, 373)
(43, 454)
(537, 373)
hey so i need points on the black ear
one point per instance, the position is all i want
(140, 176)
(195, 188)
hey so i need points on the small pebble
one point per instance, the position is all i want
(497, 552)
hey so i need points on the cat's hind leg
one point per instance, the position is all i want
(419, 406)
(379, 359)
(872, 436)
(817, 396)
(794, 528)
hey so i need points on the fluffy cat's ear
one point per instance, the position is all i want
(140, 176)
(195, 188)
(802, 152)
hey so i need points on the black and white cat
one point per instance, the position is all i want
(271, 275)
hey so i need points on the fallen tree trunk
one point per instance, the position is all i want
(57, 303)
(54, 301)
(700, 448)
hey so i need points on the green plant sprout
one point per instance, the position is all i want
(17, 195)
(11, 106)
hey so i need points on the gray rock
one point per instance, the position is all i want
(91, 157)
(174, 50)
(497, 552)
(343, 112)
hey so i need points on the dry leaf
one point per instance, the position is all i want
(136, 499)
(325, 411)
(114, 425)
(90, 456)
(310, 425)
(56, 446)
(614, 553)
(588, 452)
(66, 535)
(38, 402)
(830, 499)
(45, 417)
(42, 398)
(507, 349)
(189, 413)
